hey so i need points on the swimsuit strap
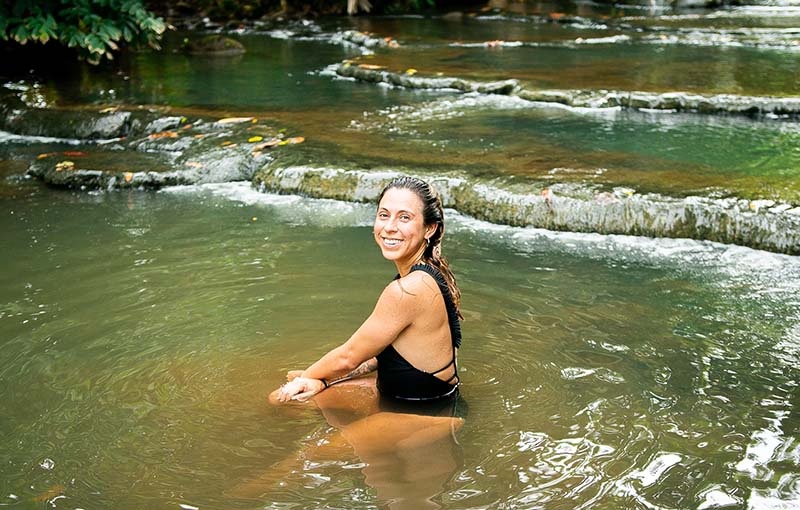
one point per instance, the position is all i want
(452, 315)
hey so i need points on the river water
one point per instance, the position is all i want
(142, 330)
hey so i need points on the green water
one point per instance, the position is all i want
(142, 332)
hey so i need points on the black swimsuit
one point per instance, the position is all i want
(400, 379)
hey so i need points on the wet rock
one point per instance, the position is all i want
(734, 221)
(215, 45)
(671, 101)
(68, 123)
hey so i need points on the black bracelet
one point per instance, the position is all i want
(325, 383)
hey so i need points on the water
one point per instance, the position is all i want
(135, 363)
(141, 331)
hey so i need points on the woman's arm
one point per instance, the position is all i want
(395, 310)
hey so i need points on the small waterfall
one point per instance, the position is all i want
(761, 224)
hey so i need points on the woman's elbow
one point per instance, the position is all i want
(347, 361)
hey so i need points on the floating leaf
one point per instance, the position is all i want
(199, 136)
(128, 176)
(110, 109)
(226, 143)
(187, 126)
(411, 71)
(556, 15)
(52, 492)
(164, 134)
(371, 67)
(235, 120)
(256, 154)
(254, 218)
(64, 165)
(254, 121)
(45, 155)
(295, 140)
(75, 154)
(268, 144)
(254, 139)
(194, 164)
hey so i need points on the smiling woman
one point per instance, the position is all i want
(413, 333)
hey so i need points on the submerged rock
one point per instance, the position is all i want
(214, 45)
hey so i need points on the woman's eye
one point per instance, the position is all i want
(405, 217)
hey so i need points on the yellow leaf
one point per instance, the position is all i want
(64, 165)
(254, 139)
(411, 71)
(256, 154)
(371, 67)
(226, 143)
(45, 155)
(194, 164)
(128, 176)
(110, 109)
(295, 140)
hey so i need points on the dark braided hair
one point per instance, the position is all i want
(432, 214)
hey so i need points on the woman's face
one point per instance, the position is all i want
(399, 226)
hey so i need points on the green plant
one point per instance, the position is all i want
(95, 28)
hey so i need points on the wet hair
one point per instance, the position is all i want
(432, 214)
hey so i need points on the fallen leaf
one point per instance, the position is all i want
(235, 120)
(268, 144)
(164, 134)
(370, 67)
(200, 136)
(128, 176)
(45, 155)
(55, 490)
(411, 71)
(295, 140)
(226, 143)
(256, 154)
(64, 165)
(194, 164)
(254, 121)
(254, 139)
(556, 15)
(110, 109)
(187, 126)
(76, 154)
(254, 218)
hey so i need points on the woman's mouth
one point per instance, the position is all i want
(391, 242)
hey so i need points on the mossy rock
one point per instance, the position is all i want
(214, 45)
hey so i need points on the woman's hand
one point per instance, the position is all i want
(293, 374)
(299, 388)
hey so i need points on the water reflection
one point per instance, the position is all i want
(407, 453)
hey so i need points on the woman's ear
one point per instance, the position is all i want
(430, 230)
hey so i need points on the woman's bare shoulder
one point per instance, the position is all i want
(415, 283)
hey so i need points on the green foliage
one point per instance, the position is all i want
(95, 28)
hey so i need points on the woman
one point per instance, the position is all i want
(412, 336)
